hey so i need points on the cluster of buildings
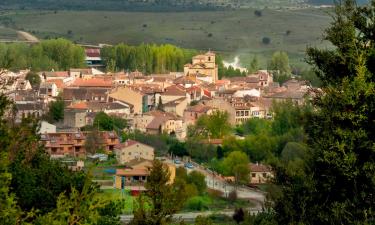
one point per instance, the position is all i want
(154, 103)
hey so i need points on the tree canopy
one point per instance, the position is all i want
(336, 183)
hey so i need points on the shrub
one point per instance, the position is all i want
(258, 13)
(198, 203)
(232, 196)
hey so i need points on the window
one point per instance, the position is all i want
(129, 153)
(246, 113)
(264, 174)
(253, 174)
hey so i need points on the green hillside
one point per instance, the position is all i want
(240, 31)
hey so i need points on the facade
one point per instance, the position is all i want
(132, 96)
(177, 106)
(260, 173)
(133, 150)
(73, 143)
(134, 177)
(203, 65)
(192, 113)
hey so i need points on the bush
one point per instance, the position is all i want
(210, 35)
(198, 203)
(258, 13)
(266, 40)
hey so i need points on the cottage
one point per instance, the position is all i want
(133, 150)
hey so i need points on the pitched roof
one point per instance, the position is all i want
(80, 105)
(258, 167)
(199, 108)
(59, 83)
(174, 90)
(132, 172)
(93, 82)
(129, 143)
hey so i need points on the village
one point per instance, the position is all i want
(151, 104)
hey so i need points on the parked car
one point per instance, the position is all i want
(177, 161)
(189, 166)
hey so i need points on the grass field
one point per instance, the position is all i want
(8, 34)
(231, 32)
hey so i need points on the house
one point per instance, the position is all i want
(133, 150)
(29, 109)
(75, 94)
(133, 96)
(96, 82)
(75, 115)
(203, 67)
(177, 106)
(135, 176)
(46, 127)
(73, 143)
(192, 113)
(173, 93)
(163, 122)
(48, 89)
(260, 173)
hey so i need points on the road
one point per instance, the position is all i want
(190, 216)
(217, 182)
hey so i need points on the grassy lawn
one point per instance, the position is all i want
(237, 32)
(114, 194)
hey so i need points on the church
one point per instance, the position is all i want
(203, 68)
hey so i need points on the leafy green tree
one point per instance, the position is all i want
(215, 125)
(163, 197)
(280, 65)
(198, 179)
(237, 164)
(56, 111)
(33, 78)
(338, 183)
(9, 211)
(254, 65)
(103, 121)
(94, 142)
(77, 207)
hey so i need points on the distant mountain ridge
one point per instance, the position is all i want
(157, 5)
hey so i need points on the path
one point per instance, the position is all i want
(27, 36)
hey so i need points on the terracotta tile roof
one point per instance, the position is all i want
(132, 172)
(129, 143)
(80, 105)
(59, 83)
(199, 108)
(174, 90)
(57, 74)
(257, 167)
(93, 82)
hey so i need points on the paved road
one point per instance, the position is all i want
(217, 182)
(190, 216)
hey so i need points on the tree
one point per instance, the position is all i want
(239, 215)
(254, 65)
(9, 211)
(33, 78)
(160, 104)
(104, 122)
(77, 207)
(56, 111)
(237, 164)
(198, 179)
(163, 197)
(280, 65)
(215, 125)
(338, 183)
(94, 142)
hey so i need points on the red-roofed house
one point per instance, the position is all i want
(93, 82)
(260, 173)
